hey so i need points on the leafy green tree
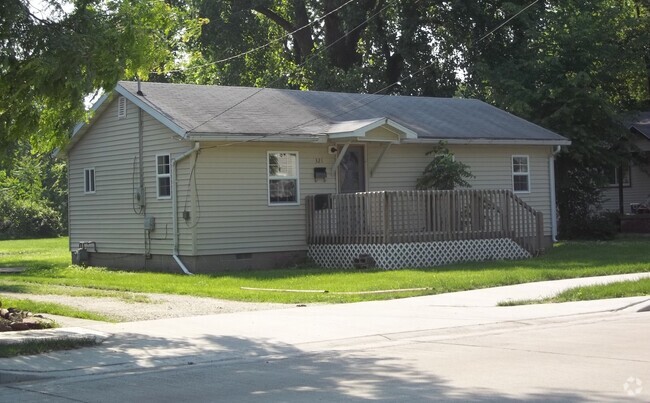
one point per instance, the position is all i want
(573, 67)
(443, 172)
(49, 62)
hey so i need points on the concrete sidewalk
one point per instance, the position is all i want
(301, 330)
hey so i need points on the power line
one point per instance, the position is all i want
(315, 54)
(271, 42)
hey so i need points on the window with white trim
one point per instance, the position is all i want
(121, 108)
(612, 176)
(163, 176)
(89, 180)
(520, 174)
(283, 178)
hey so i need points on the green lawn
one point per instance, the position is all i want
(622, 289)
(48, 263)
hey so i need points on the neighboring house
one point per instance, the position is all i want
(636, 179)
(210, 177)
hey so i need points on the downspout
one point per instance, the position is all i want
(551, 174)
(196, 148)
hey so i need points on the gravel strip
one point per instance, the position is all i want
(161, 305)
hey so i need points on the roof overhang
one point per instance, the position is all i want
(490, 142)
(358, 130)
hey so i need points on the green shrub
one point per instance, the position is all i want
(27, 219)
(601, 226)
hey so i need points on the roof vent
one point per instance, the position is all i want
(121, 108)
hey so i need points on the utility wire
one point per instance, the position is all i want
(314, 55)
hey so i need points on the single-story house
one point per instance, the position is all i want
(636, 179)
(201, 178)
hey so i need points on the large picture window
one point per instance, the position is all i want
(163, 177)
(89, 180)
(283, 178)
(520, 174)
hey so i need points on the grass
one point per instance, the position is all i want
(34, 288)
(48, 266)
(622, 289)
(30, 347)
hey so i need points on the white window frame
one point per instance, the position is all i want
(626, 183)
(160, 176)
(90, 181)
(526, 174)
(121, 107)
(269, 178)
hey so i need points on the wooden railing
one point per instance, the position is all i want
(422, 216)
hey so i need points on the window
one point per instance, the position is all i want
(89, 180)
(283, 178)
(121, 108)
(163, 177)
(612, 176)
(520, 174)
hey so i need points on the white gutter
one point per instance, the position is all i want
(181, 157)
(247, 138)
(551, 174)
(488, 141)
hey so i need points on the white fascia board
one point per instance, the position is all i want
(159, 116)
(490, 141)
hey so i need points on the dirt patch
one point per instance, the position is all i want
(159, 306)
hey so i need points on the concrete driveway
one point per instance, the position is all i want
(452, 347)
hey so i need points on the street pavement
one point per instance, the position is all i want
(449, 347)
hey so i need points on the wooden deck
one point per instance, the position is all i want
(390, 217)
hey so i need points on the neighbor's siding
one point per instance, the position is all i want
(232, 182)
(638, 192)
(107, 216)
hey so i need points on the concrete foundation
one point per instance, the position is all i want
(199, 264)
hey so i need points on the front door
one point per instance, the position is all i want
(352, 170)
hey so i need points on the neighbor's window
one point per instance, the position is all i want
(163, 176)
(89, 180)
(520, 173)
(612, 176)
(283, 178)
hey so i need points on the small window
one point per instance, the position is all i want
(283, 178)
(121, 108)
(89, 180)
(520, 174)
(163, 177)
(612, 176)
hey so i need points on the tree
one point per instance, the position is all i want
(572, 67)
(51, 61)
(443, 172)
(363, 46)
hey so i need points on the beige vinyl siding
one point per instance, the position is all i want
(233, 198)
(638, 192)
(490, 164)
(107, 216)
(232, 182)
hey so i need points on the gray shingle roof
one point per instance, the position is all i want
(217, 110)
(642, 124)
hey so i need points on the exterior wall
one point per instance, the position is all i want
(490, 164)
(637, 192)
(108, 216)
(232, 181)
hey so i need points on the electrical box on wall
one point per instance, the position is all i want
(139, 197)
(149, 223)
